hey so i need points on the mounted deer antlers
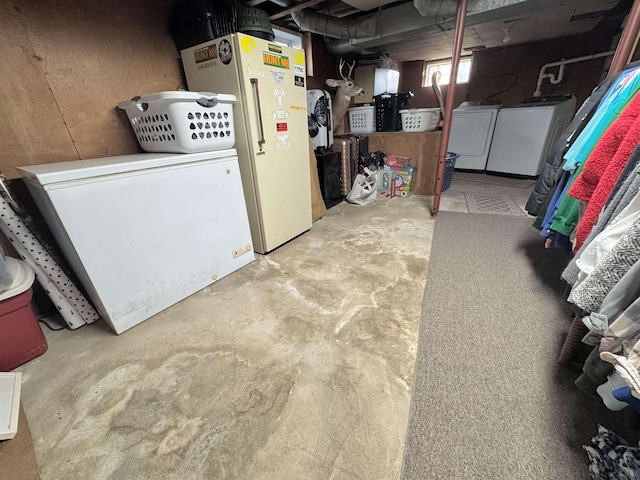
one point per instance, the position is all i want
(347, 89)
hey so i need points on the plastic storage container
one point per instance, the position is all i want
(419, 119)
(449, 165)
(254, 22)
(182, 122)
(362, 119)
(22, 339)
(388, 108)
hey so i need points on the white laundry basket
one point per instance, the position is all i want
(419, 119)
(362, 119)
(182, 122)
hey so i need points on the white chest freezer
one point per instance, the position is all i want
(471, 134)
(143, 232)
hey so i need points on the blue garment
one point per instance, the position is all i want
(558, 195)
(624, 395)
(611, 106)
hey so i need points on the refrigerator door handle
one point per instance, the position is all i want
(256, 98)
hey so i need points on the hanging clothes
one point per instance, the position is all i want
(601, 245)
(561, 189)
(627, 186)
(547, 179)
(604, 166)
(617, 301)
(568, 211)
(624, 332)
(589, 294)
(611, 106)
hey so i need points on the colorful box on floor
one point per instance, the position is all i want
(398, 161)
(403, 179)
(386, 185)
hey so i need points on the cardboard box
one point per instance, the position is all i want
(403, 179)
(399, 161)
(386, 183)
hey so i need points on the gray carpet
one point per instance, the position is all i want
(494, 179)
(489, 399)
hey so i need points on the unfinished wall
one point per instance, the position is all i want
(66, 64)
(325, 65)
(509, 74)
(499, 68)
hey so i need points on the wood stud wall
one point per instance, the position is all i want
(65, 66)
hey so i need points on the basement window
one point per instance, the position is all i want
(444, 67)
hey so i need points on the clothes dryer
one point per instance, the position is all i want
(472, 129)
(525, 133)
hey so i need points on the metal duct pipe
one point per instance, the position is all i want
(340, 28)
(429, 8)
(401, 24)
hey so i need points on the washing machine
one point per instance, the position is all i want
(524, 134)
(472, 127)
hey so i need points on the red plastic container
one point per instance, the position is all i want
(21, 338)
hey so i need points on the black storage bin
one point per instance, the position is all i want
(388, 106)
(254, 22)
(449, 166)
(192, 22)
(330, 174)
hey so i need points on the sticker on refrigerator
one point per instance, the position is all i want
(299, 81)
(275, 48)
(298, 69)
(282, 127)
(280, 115)
(279, 94)
(298, 107)
(275, 60)
(278, 77)
(225, 52)
(298, 57)
(205, 54)
(283, 142)
(252, 72)
(248, 44)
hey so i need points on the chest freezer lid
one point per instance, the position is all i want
(51, 173)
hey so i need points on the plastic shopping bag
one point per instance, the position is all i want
(364, 190)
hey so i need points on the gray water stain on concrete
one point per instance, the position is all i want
(297, 366)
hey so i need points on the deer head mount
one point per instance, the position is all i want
(347, 89)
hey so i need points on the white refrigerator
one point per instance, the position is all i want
(270, 120)
(142, 232)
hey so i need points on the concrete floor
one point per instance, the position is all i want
(298, 366)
